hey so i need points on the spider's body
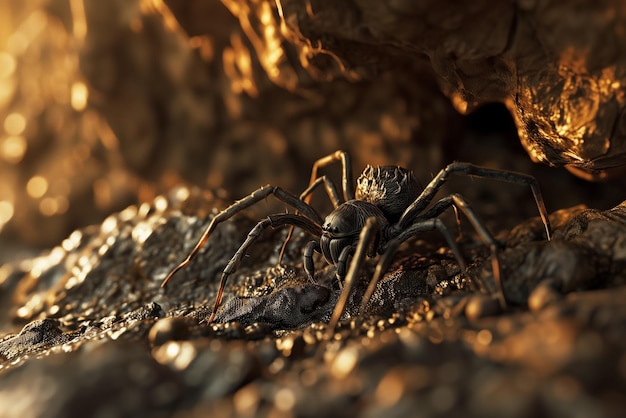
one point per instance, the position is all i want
(383, 193)
(342, 227)
(388, 208)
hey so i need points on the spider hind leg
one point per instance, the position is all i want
(415, 209)
(459, 204)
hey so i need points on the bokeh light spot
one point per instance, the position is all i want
(80, 94)
(14, 124)
(7, 64)
(13, 148)
(37, 186)
(48, 206)
(6, 212)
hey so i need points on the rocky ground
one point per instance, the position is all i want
(101, 338)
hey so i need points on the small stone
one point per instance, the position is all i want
(39, 333)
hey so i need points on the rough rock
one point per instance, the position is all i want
(137, 349)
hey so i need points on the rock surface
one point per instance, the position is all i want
(209, 91)
(101, 336)
(559, 68)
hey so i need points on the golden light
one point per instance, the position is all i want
(204, 45)
(6, 212)
(19, 41)
(37, 186)
(7, 64)
(136, 25)
(169, 20)
(391, 388)
(60, 187)
(14, 124)
(79, 21)
(63, 204)
(79, 96)
(7, 87)
(238, 67)
(345, 362)
(102, 193)
(484, 337)
(285, 399)
(160, 204)
(13, 149)
(459, 103)
(48, 206)
(105, 133)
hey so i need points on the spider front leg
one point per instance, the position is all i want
(274, 221)
(368, 236)
(255, 197)
(309, 265)
(429, 192)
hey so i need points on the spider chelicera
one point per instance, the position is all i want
(388, 208)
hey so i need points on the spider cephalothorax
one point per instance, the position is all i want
(391, 188)
(389, 207)
(341, 228)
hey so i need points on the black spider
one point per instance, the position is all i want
(388, 208)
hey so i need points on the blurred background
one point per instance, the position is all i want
(106, 104)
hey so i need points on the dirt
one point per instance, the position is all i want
(102, 338)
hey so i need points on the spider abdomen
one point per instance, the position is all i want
(342, 227)
(390, 188)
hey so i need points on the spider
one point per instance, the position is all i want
(387, 208)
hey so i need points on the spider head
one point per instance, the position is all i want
(342, 227)
(390, 188)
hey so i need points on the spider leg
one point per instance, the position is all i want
(459, 203)
(274, 221)
(331, 190)
(467, 169)
(391, 247)
(246, 202)
(342, 261)
(368, 235)
(488, 239)
(434, 211)
(309, 266)
(346, 165)
(457, 217)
